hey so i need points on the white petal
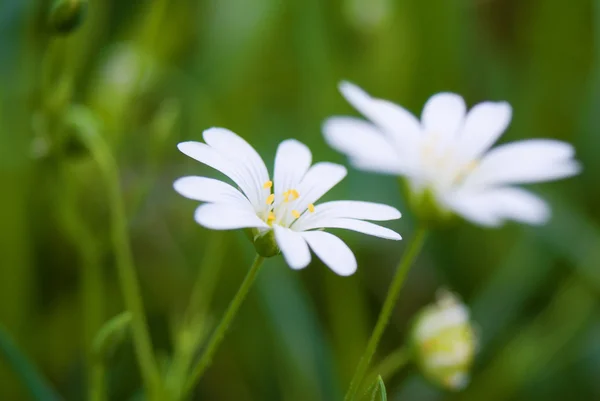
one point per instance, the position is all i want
(365, 145)
(319, 179)
(473, 207)
(521, 205)
(491, 207)
(212, 158)
(247, 160)
(443, 115)
(226, 217)
(380, 165)
(527, 161)
(293, 247)
(292, 161)
(210, 190)
(351, 210)
(401, 126)
(484, 124)
(349, 224)
(332, 251)
(207, 155)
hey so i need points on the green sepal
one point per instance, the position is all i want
(264, 243)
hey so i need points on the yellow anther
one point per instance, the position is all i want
(270, 199)
(311, 208)
(268, 184)
(471, 166)
(294, 193)
(271, 218)
(286, 196)
(295, 213)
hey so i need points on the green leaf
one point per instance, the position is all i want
(376, 391)
(111, 335)
(33, 381)
(380, 394)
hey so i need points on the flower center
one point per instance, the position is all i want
(442, 162)
(278, 211)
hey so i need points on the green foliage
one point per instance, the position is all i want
(145, 75)
(376, 391)
(111, 335)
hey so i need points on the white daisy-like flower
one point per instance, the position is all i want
(446, 156)
(280, 212)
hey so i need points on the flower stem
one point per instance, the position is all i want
(87, 129)
(219, 333)
(384, 316)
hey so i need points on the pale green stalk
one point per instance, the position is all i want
(92, 286)
(386, 311)
(85, 123)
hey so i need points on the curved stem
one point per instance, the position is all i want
(219, 333)
(84, 120)
(386, 311)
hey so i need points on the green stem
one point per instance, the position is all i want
(386, 311)
(81, 118)
(219, 333)
(97, 381)
(92, 282)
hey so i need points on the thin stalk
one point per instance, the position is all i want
(81, 118)
(219, 333)
(386, 311)
(92, 283)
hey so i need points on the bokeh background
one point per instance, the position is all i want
(153, 73)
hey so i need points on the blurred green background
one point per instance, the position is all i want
(153, 73)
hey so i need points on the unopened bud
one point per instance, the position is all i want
(67, 15)
(444, 342)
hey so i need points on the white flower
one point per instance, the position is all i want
(282, 208)
(446, 155)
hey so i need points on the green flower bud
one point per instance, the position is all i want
(66, 15)
(444, 342)
(264, 242)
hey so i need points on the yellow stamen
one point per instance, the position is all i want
(270, 199)
(295, 213)
(294, 194)
(271, 218)
(311, 208)
(471, 166)
(286, 196)
(268, 184)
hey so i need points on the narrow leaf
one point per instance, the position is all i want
(111, 335)
(31, 378)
